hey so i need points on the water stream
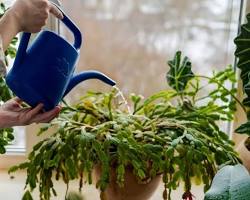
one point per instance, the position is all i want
(124, 101)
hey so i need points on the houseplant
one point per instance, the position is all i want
(173, 133)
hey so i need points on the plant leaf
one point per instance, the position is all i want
(230, 183)
(180, 72)
(27, 196)
(243, 53)
(244, 128)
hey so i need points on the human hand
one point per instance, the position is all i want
(12, 114)
(32, 15)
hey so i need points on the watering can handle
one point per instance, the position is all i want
(67, 21)
(71, 25)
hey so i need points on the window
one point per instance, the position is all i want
(131, 40)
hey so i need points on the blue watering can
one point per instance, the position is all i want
(43, 72)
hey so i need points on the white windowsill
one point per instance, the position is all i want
(15, 151)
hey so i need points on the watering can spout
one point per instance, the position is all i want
(76, 79)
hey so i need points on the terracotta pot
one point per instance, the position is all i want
(132, 190)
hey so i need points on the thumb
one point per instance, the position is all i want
(55, 11)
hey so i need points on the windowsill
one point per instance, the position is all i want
(15, 151)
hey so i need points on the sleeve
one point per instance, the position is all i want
(2, 60)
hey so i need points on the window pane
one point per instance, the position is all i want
(131, 40)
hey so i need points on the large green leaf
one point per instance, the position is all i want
(243, 53)
(244, 128)
(230, 183)
(180, 72)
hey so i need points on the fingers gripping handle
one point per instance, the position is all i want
(66, 20)
(74, 29)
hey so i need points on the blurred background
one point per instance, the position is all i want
(131, 40)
